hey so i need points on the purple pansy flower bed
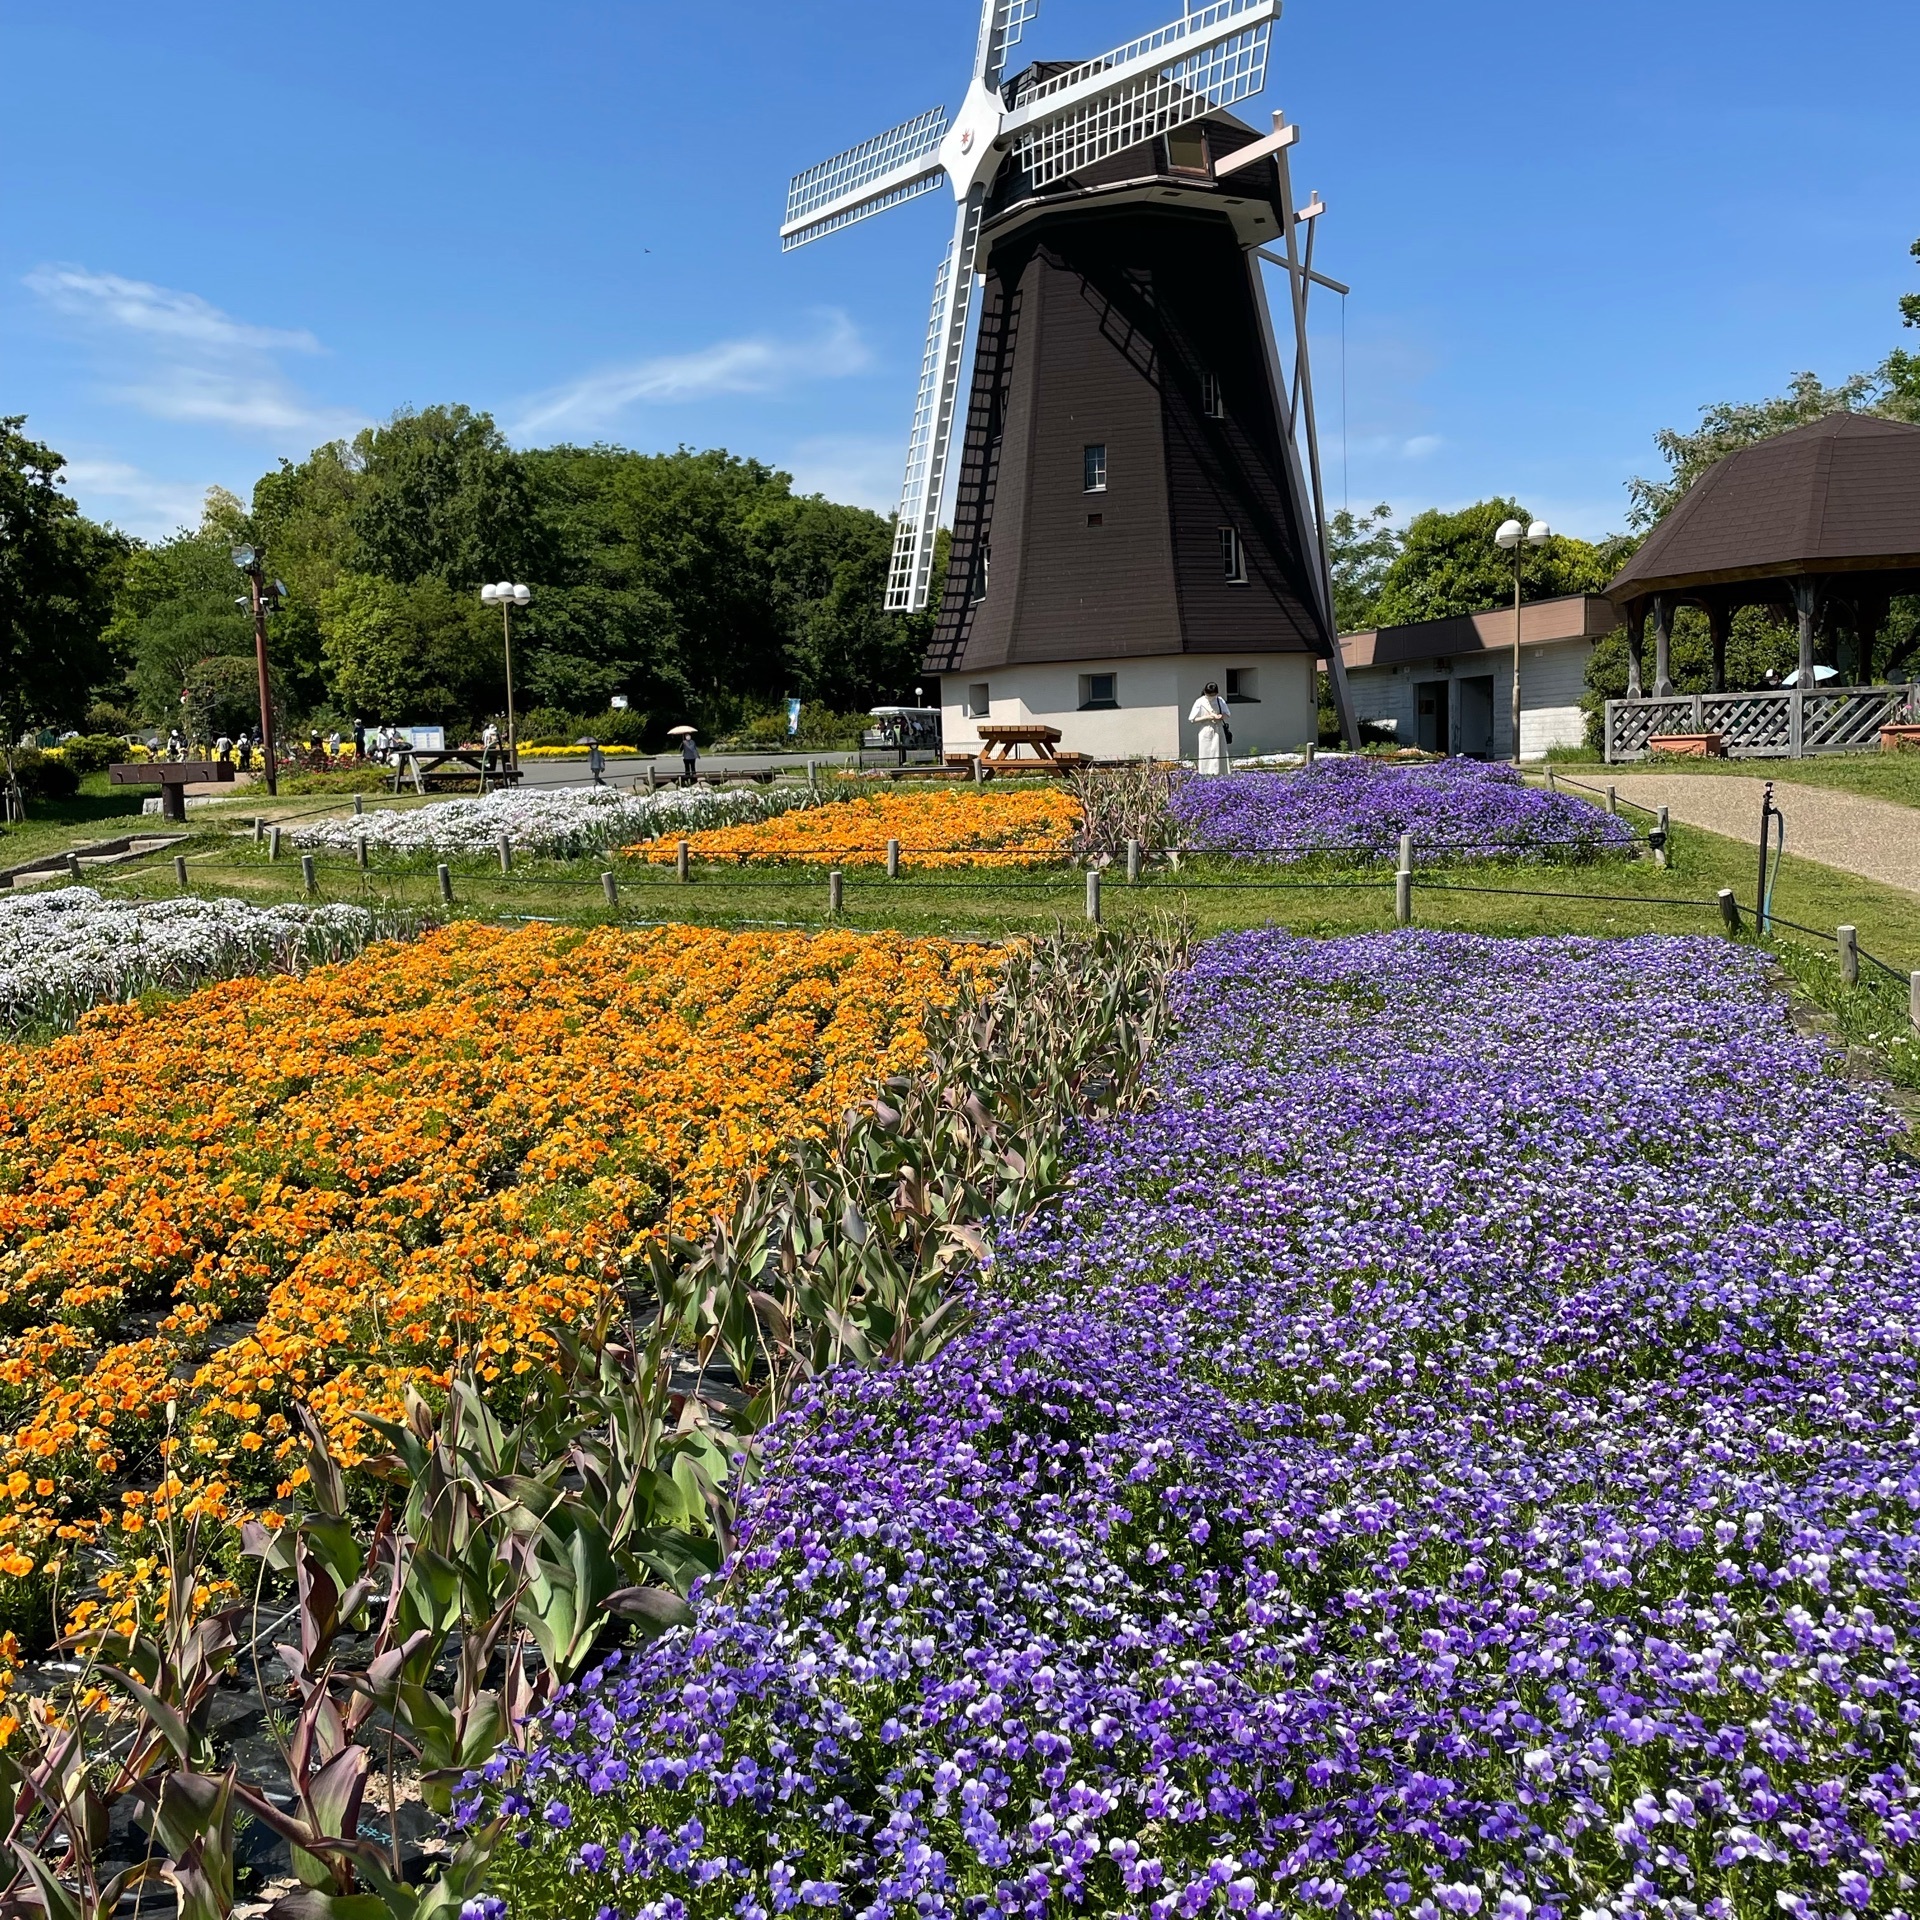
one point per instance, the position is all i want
(1357, 809)
(1458, 1454)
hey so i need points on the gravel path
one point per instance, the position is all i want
(1873, 838)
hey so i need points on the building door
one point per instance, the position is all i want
(1476, 716)
(1432, 731)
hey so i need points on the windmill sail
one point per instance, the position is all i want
(1207, 59)
(914, 533)
(879, 173)
(1002, 22)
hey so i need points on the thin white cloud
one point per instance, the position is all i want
(112, 490)
(1421, 445)
(758, 364)
(141, 307)
(178, 357)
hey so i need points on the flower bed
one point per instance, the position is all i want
(564, 822)
(948, 827)
(1356, 810)
(436, 1152)
(66, 950)
(1455, 1455)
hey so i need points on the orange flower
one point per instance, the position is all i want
(945, 827)
(437, 1154)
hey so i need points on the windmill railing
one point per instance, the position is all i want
(1783, 723)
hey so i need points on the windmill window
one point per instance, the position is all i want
(1187, 149)
(1096, 519)
(1213, 401)
(1099, 691)
(982, 572)
(1093, 469)
(1233, 557)
(1241, 685)
(978, 706)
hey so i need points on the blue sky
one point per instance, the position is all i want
(229, 233)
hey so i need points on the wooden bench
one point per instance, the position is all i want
(1892, 739)
(172, 777)
(1690, 746)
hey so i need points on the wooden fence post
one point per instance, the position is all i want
(259, 829)
(307, 879)
(1613, 799)
(73, 865)
(273, 843)
(1729, 909)
(680, 863)
(1133, 863)
(1093, 895)
(446, 883)
(363, 853)
(611, 888)
(836, 892)
(893, 859)
(1660, 834)
(1403, 898)
(359, 803)
(506, 853)
(1406, 853)
(1913, 999)
(180, 870)
(1849, 939)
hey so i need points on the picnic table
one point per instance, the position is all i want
(442, 764)
(172, 777)
(1001, 741)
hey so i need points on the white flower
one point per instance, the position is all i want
(562, 821)
(62, 952)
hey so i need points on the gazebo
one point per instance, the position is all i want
(1823, 524)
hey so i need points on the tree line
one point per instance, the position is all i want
(698, 585)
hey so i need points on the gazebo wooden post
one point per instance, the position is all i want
(1806, 603)
(1870, 620)
(1662, 648)
(1719, 627)
(1636, 636)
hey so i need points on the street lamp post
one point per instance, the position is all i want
(248, 560)
(508, 595)
(1515, 537)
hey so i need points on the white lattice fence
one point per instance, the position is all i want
(1782, 724)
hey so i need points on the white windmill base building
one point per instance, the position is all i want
(1124, 709)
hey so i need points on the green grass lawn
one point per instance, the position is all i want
(1213, 895)
(96, 812)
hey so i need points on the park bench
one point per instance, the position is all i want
(172, 777)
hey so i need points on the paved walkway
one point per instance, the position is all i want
(1873, 838)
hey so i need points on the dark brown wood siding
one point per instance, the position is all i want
(1097, 328)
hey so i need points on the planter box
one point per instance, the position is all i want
(1893, 738)
(1691, 746)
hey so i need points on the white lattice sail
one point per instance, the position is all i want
(877, 174)
(1205, 60)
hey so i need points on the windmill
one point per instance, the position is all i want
(1051, 142)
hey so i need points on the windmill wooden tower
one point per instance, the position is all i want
(1138, 509)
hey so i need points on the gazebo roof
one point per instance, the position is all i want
(1839, 496)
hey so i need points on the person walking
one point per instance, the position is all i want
(689, 759)
(597, 763)
(1209, 714)
(223, 749)
(359, 739)
(245, 746)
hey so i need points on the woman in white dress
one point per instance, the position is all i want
(1210, 716)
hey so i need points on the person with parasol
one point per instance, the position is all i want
(689, 753)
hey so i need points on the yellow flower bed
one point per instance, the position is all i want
(945, 827)
(320, 1190)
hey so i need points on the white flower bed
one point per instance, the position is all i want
(564, 821)
(62, 952)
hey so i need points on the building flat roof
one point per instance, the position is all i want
(1573, 616)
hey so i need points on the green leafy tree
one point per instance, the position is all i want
(57, 575)
(221, 694)
(440, 493)
(399, 652)
(1448, 565)
(1363, 547)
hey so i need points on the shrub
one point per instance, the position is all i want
(44, 776)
